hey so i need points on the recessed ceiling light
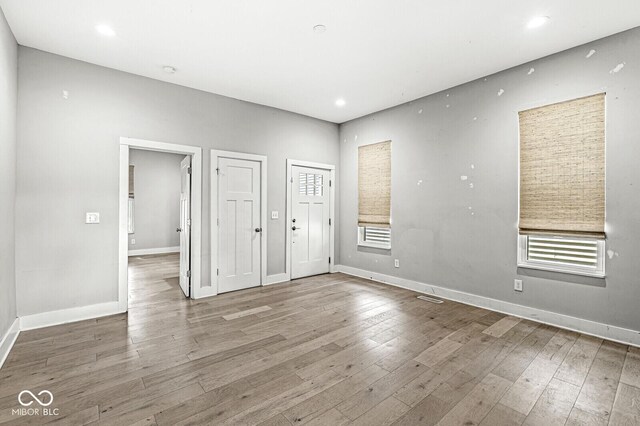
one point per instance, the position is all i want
(169, 69)
(537, 21)
(340, 102)
(319, 29)
(105, 30)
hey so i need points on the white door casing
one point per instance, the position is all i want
(185, 226)
(310, 221)
(240, 226)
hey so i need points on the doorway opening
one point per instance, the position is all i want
(158, 224)
(310, 219)
(160, 220)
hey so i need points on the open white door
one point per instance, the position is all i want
(310, 221)
(185, 226)
(239, 226)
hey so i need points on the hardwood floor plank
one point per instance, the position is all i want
(576, 365)
(626, 408)
(499, 328)
(554, 405)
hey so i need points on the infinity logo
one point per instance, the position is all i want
(41, 402)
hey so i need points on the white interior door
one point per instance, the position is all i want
(310, 226)
(240, 230)
(185, 226)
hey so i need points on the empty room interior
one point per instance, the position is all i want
(326, 213)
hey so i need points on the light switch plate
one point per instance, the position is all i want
(274, 214)
(92, 218)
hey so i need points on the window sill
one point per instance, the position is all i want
(560, 269)
(371, 245)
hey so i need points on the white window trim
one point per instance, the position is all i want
(363, 243)
(524, 262)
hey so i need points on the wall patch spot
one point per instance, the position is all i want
(355, 138)
(531, 71)
(420, 182)
(471, 185)
(473, 166)
(500, 92)
(448, 105)
(475, 118)
(590, 54)
(420, 111)
(65, 94)
(612, 253)
(345, 141)
(463, 177)
(617, 68)
(447, 95)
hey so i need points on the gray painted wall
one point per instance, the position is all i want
(68, 154)
(448, 234)
(157, 199)
(8, 98)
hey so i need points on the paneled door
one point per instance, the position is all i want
(185, 226)
(239, 227)
(310, 221)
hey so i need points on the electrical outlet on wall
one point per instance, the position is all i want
(274, 214)
(517, 285)
(133, 241)
(396, 263)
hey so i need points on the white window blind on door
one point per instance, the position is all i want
(374, 185)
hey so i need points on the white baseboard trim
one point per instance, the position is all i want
(159, 250)
(8, 340)
(276, 279)
(46, 319)
(592, 328)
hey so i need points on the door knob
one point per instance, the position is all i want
(178, 229)
(293, 228)
(293, 220)
(258, 229)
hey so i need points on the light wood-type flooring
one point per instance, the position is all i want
(326, 350)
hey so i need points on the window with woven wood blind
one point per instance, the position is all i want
(374, 185)
(131, 176)
(131, 202)
(562, 168)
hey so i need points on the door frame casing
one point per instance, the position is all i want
(213, 202)
(196, 212)
(332, 210)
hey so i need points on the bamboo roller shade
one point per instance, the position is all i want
(131, 176)
(562, 168)
(374, 185)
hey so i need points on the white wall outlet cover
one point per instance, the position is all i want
(274, 214)
(92, 217)
(133, 241)
(396, 263)
(517, 285)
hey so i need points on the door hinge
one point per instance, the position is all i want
(189, 170)
(218, 221)
(217, 271)
(329, 259)
(189, 274)
(291, 179)
(189, 221)
(217, 170)
(329, 221)
(329, 182)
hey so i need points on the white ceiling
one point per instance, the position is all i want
(375, 53)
